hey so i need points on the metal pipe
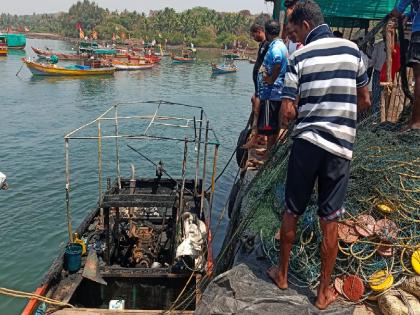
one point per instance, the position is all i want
(99, 161)
(203, 190)
(68, 212)
(117, 150)
(184, 168)
(101, 211)
(213, 176)
(197, 165)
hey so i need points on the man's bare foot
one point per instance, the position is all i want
(277, 278)
(325, 298)
(411, 126)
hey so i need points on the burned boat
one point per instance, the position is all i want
(146, 246)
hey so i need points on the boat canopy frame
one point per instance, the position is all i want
(204, 138)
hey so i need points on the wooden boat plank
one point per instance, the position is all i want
(68, 288)
(92, 311)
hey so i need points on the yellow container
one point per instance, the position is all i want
(381, 281)
(77, 240)
(415, 261)
(384, 208)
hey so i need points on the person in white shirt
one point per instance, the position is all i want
(3, 182)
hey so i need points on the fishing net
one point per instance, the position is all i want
(384, 183)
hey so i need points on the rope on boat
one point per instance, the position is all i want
(26, 295)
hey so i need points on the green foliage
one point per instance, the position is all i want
(202, 26)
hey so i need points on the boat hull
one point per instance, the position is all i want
(40, 69)
(216, 69)
(183, 60)
(119, 67)
(133, 283)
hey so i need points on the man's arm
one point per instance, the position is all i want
(363, 98)
(288, 112)
(276, 71)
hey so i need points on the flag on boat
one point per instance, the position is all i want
(81, 34)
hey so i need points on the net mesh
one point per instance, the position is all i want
(385, 171)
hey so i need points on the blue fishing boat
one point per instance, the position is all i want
(15, 41)
(223, 68)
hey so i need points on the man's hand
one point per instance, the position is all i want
(268, 80)
(288, 112)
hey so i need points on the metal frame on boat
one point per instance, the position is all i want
(149, 208)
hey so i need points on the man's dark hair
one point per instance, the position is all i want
(338, 34)
(272, 27)
(256, 27)
(308, 11)
(290, 3)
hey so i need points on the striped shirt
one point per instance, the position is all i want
(326, 73)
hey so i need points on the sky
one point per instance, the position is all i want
(20, 7)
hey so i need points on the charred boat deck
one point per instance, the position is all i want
(148, 241)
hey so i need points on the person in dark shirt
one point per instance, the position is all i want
(258, 34)
(413, 56)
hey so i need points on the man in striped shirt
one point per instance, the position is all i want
(329, 77)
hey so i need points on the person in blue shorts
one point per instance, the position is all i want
(270, 85)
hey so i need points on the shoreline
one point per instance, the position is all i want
(73, 40)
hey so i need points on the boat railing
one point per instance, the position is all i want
(159, 121)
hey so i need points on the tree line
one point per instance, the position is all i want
(202, 26)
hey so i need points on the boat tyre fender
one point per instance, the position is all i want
(241, 153)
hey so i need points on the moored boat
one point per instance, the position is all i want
(93, 48)
(62, 56)
(223, 68)
(15, 41)
(148, 240)
(131, 66)
(3, 45)
(48, 69)
(187, 56)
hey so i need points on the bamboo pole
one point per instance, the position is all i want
(197, 163)
(203, 183)
(117, 149)
(68, 212)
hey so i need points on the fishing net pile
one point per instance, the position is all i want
(380, 230)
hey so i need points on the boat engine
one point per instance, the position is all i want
(145, 250)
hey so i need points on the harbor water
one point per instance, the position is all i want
(36, 113)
